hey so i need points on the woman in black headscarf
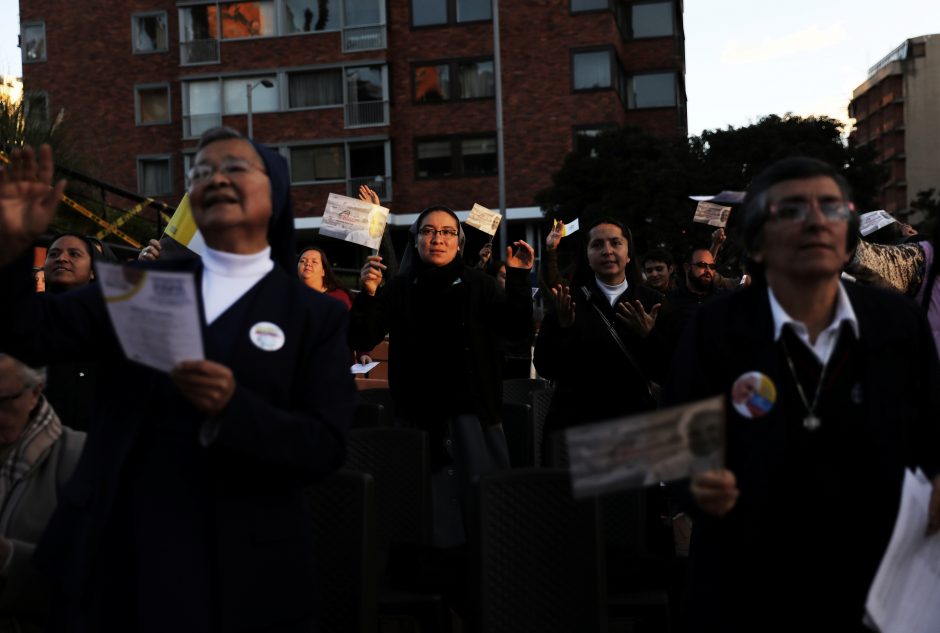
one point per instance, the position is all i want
(186, 510)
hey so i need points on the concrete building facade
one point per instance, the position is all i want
(897, 111)
(397, 94)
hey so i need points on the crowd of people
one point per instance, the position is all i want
(187, 489)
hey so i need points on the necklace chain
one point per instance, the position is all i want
(811, 422)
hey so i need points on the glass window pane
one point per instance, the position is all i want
(154, 176)
(654, 91)
(304, 16)
(476, 80)
(471, 10)
(591, 70)
(434, 159)
(203, 97)
(150, 33)
(317, 162)
(199, 23)
(432, 83)
(364, 83)
(235, 95)
(37, 107)
(424, 12)
(588, 5)
(318, 88)
(247, 19)
(34, 43)
(366, 160)
(154, 104)
(478, 156)
(361, 12)
(652, 20)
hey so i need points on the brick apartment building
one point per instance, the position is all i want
(896, 111)
(398, 94)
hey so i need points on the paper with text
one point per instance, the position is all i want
(354, 220)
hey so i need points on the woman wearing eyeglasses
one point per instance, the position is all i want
(443, 319)
(186, 510)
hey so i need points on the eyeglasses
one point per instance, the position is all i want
(199, 174)
(428, 232)
(7, 401)
(797, 210)
(704, 265)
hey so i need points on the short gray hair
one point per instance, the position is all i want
(31, 376)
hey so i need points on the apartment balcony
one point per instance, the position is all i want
(366, 114)
(199, 52)
(364, 38)
(381, 185)
(195, 124)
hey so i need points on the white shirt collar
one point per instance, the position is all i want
(234, 265)
(612, 292)
(826, 340)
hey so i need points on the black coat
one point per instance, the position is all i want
(816, 510)
(593, 378)
(165, 526)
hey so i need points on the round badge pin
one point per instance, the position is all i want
(753, 394)
(267, 336)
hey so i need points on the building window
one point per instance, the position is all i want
(153, 176)
(474, 80)
(442, 158)
(149, 31)
(33, 42)
(589, 5)
(235, 95)
(152, 104)
(316, 88)
(199, 34)
(592, 69)
(361, 13)
(202, 107)
(247, 19)
(37, 107)
(305, 16)
(316, 163)
(652, 19)
(438, 12)
(654, 90)
(585, 137)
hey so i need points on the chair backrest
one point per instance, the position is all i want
(537, 393)
(368, 415)
(399, 461)
(343, 511)
(537, 555)
(520, 389)
(520, 434)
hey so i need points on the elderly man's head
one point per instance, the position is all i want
(799, 221)
(20, 390)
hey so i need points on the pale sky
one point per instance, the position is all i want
(746, 58)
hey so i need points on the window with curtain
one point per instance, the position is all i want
(456, 156)
(432, 83)
(153, 176)
(478, 156)
(654, 90)
(317, 162)
(652, 19)
(199, 23)
(247, 19)
(435, 159)
(476, 79)
(306, 16)
(33, 42)
(361, 12)
(235, 95)
(592, 70)
(315, 88)
(364, 83)
(150, 32)
(153, 105)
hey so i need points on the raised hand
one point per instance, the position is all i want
(368, 195)
(564, 305)
(371, 274)
(150, 252)
(485, 253)
(554, 236)
(637, 318)
(524, 256)
(27, 200)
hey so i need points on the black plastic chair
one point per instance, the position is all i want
(537, 394)
(343, 511)
(382, 397)
(519, 431)
(537, 555)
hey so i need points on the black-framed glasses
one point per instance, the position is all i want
(429, 232)
(234, 168)
(8, 400)
(704, 266)
(798, 210)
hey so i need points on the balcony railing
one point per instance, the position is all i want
(366, 113)
(364, 38)
(381, 185)
(199, 52)
(195, 124)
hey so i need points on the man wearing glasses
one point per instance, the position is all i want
(695, 286)
(789, 534)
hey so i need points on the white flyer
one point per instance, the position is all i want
(711, 214)
(155, 314)
(568, 229)
(874, 220)
(482, 218)
(364, 368)
(354, 220)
